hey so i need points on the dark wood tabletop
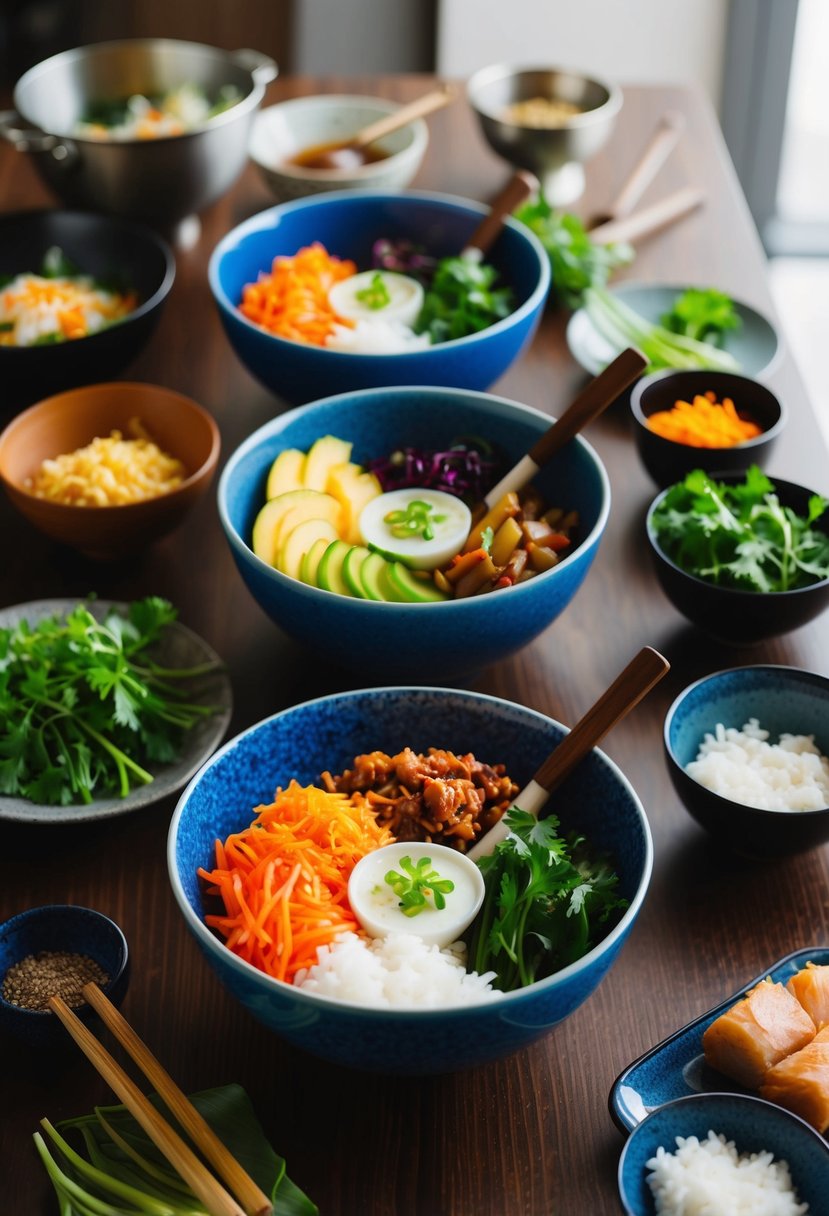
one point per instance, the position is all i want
(530, 1135)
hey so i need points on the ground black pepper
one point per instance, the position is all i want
(29, 983)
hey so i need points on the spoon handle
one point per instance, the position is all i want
(659, 147)
(590, 402)
(519, 187)
(650, 219)
(626, 691)
(408, 113)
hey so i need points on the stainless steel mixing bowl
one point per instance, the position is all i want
(554, 154)
(157, 180)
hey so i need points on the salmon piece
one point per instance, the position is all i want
(801, 1082)
(811, 988)
(759, 1031)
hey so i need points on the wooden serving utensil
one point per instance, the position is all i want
(208, 1189)
(650, 219)
(626, 691)
(590, 402)
(657, 150)
(349, 153)
(520, 186)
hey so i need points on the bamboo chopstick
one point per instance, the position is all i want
(208, 1189)
(252, 1198)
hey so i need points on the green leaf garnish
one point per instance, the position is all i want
(418, 882)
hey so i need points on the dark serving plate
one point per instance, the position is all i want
(676, 1067)
(107, 249)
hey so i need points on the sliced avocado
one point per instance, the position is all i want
(298, 542)
(371, 576)
(352, 567)
(330, 570)
(391, 592)
(412, 589)
(310, 562)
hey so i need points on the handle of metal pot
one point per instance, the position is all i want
(29, 139)
(262, 68)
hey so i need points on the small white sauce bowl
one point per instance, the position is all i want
(376, 906)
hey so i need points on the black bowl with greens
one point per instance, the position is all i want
(742, 556)
(118, 256)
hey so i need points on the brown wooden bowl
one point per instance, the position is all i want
(71, 420)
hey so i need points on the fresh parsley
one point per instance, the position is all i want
(702, 313)
(548, 900)
(84, 706)
(462, 299)
(576, 261)
(741, 536)
(418, 882)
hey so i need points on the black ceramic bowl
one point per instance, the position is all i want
(783, 700)
(60, 927)
(668, 461)
(108, 249)
(740, 618)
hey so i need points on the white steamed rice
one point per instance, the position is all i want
(710, 1178)
(741, 765)
(398, 971)
(376, 337)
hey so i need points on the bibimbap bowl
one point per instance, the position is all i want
(327, 734)
(414, 641)
(348, 223)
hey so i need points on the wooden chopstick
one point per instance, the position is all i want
(251, 1197)
(207, 1188)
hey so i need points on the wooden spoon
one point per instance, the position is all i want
(657, 150)
(350, 153)
(590, 402)
(626, 691)
(520, 186)
(650, 219)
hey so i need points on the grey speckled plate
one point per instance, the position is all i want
(180, 647)
(755, 345)
(676, 1067)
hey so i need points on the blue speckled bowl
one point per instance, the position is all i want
(347, 223)
(783, 699)
(753, 1125)
(414, 641)
(327, 734)
(61, 927)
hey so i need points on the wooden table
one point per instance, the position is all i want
(531, 1134)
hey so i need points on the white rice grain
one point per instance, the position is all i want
(741, 765)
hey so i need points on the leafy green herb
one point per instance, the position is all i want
(547, 902)
(83, 705)
(416, 884)
(741, 536)
(703, 314)
(622, 326)
(416, 520)
(123, 1174)
(462, 300)
(376, 295)
(575, 260)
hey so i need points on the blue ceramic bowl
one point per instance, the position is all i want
(327, 734)
(60, 927)
(753, 1124)
(414, 641)
(784, 700)
(347, 223)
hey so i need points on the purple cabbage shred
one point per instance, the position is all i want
(404, 257)
(463, 471)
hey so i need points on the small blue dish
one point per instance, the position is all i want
(754, 1125)
(304, 741)
(784, 700)
(415, 642)
(60, 927)
(347, 223)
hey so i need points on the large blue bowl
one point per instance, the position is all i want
(753, 1124)
(348, 223)
(784, 700)
(414, 641)
(327, 734)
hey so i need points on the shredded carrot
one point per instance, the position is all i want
(284, 879)
(292, 301)
(704, 423)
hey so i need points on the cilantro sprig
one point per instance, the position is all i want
(84, 707)
(462, 299)
(419, 886)
(702, 313)
(548, 900)
(741, 536)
